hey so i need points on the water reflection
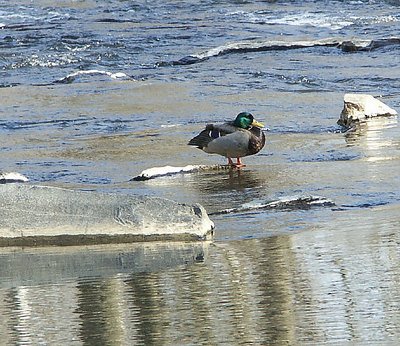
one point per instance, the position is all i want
(227, 180)
(73, 294)
(49, 265)
(234, 188)
(375, 137)
(215, 189)
(321, 286)
(219, 179)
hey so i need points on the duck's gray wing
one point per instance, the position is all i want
(210, 133)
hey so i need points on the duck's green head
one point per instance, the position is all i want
(245, 120)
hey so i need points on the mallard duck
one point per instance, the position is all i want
(234, 139)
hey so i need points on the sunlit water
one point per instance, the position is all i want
(310, 274)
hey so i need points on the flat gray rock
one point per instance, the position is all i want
(39, 215)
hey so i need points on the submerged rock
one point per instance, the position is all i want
(38, 215)
(257, 45)
(359, 107)
(73, 76)
(349, 46)
(285, 203)
(368, 45)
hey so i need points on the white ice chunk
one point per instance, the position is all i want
(12, 177)
(167, 170)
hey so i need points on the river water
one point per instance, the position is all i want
(94, 92)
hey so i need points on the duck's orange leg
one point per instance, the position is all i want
(239, 163)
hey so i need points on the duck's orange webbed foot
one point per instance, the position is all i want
(238, 164)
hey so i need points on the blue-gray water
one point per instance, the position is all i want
(94, 92)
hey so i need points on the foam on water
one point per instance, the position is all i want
(332, 22)
(30, 15)
(47, 61)
(318, 19)
(299, 19)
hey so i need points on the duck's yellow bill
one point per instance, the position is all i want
(256, 123)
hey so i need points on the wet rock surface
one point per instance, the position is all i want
(37, 215)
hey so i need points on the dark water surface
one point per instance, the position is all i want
(94, 92)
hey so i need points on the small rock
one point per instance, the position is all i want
(12, 177)
(165, 171)
(348, 46)
(359, 107)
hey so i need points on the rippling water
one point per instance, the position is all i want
(95, 92)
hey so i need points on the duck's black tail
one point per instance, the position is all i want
(202, 139)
